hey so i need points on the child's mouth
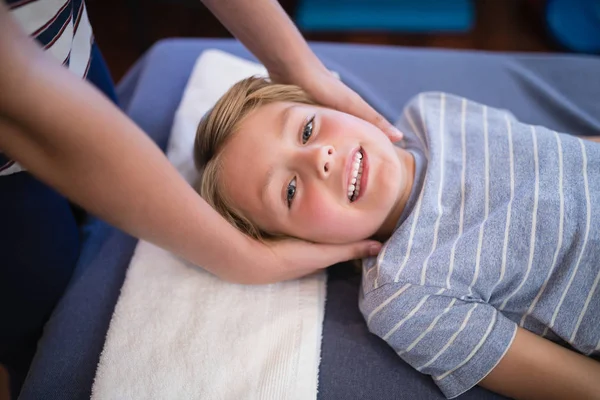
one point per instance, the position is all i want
(355, 176)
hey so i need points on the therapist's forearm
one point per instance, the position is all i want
(266, 30)
(70, 136)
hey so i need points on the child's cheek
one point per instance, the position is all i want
(322, 215)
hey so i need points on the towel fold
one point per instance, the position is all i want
(178, 332)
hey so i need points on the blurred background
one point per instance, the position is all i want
(124, 29)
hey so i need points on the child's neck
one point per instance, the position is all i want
(389, 225)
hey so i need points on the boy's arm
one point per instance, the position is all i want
(536, 368)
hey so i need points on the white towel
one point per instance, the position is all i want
(180, 333)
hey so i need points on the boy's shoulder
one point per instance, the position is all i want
(426, 113)
(434, 100)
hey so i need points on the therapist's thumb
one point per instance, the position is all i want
(353, 251)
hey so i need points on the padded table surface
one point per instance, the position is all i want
(558, 91)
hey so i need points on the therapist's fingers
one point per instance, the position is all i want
(332, 92)
(302, 257)
(356, 106)
(352, 251)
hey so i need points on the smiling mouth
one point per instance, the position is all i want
(355, 176)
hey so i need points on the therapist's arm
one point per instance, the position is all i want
(536, 368)
(66, 133)
(266, 30)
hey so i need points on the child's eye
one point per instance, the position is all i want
(291, 192)
(308, 129)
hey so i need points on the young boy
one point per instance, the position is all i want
(491, 241)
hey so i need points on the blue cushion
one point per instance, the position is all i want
(559, 91)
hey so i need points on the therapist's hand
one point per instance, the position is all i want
(287, 259)
(266, 30)
(331, 92)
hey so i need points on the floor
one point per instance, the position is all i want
(507, 25)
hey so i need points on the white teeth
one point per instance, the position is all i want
(357, 168)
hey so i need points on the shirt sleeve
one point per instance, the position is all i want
(456, 342)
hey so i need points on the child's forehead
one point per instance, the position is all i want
(274, 115)
(280, 112)
(277, 107)
(283, 106)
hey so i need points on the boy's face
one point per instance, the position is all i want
(291, 166)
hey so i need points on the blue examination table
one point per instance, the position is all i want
(558, 91)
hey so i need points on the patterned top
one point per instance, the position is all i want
(501, 235)
(62, 28)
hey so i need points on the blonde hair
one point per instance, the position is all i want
(219, 125)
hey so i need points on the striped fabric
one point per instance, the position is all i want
(502, 235)
(62, 28)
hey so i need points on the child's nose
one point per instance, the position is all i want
(324, 160)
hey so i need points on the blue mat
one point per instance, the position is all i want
(557, 91)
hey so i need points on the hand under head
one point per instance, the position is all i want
(276, 164)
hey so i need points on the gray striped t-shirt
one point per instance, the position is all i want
(504, 231)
